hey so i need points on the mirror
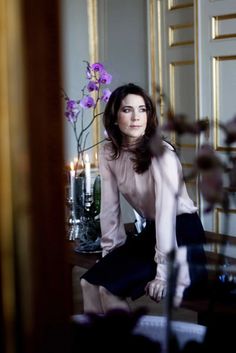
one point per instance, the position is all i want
(162, 42)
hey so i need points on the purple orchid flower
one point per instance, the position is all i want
(92, 86)
(105, 78)
(105, 95)
(87, 102)
(88, 73)
(98, 67)
(72, 110)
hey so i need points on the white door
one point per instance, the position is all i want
(216, 51)
(193, 59)
(172, 26)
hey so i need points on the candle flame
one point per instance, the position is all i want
(72, 167)
(96, 160)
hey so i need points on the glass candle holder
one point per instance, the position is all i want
(83, 225)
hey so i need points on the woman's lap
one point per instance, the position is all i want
(127, 269)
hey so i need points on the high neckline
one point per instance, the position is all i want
(130, 146)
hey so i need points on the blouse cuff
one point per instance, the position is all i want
(104, 252)
(162, 272)
(161, 257)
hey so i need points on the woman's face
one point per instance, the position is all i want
(132, 118)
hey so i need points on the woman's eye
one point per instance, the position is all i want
(126, 110)
(143, 110)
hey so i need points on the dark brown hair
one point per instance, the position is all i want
(142, 153)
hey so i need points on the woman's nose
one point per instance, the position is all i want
(135, 115)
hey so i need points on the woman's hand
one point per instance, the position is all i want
(156, 289)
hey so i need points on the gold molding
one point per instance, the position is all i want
(215, 86)
(187, 145)
(160, 55)
(152, 31)
(92, 30)
(172, 29)
(197, 100)
(187, 165)
(215, 26)
(173, 6)
(155, 36)
(196, 47)
(94, 57)
(217, 212)
(192, 184)
(172, 66)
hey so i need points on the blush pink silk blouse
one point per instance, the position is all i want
(158, 194)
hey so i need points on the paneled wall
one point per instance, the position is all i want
(173, 66)
(217, 84)
(113, 32)
(75, 49)
(193, 58)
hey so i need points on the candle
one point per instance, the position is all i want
(76, 164)
(72, 180)
(96, 160)
(87, 171)
(97, 193)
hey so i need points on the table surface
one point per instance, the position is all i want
(227, 306)
(85, 260)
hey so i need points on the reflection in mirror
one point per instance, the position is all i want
(214, 291)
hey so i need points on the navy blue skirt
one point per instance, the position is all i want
(126, 270)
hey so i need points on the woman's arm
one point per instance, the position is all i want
(112, 228)
(167, 173)
(167, 187)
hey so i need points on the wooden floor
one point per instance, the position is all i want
(152, 307)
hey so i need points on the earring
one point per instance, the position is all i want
(115, 123)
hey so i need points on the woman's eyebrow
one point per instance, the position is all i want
(131, 106)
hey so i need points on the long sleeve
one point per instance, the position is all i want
(167, 183)
(112, 228)
(168, 178)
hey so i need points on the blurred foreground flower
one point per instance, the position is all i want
(211, 169)
(180, 124)
(156, 144)
(230, 131)
(117, 324)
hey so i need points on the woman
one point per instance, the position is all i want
(154, 187)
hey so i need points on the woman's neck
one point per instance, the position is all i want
(130, 143)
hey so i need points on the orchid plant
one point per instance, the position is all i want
(92, 93)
